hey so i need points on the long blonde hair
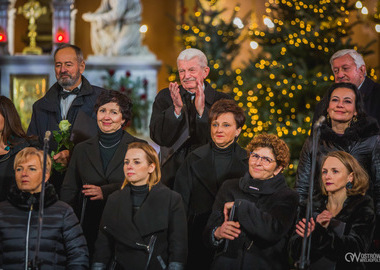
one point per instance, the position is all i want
(151, 157)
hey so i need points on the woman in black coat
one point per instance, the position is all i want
(204, 171)
(252, 215)
(343, 220)
(96, 166)
(62, 245)
(347, 128)
(143, 225)
(12, 140)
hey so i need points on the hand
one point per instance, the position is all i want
(324, 218)
(300, 227)
(229, 230)
(92, 191)
(226, 210)
(62, 157)
(199, 98)
(176, 97)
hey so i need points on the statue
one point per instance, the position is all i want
(115, 28)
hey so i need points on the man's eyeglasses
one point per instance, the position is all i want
(264, 160)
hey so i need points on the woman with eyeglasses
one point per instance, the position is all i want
(252, 215)
(204, 171)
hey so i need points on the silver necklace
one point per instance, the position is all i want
(107, 147)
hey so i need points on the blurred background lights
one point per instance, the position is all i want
(358, 4)
(254, 45)
(238, 22)
(268, 22)
(143, 28)
(364, 11)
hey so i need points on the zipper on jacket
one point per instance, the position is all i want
(150, 245)
(27, 237)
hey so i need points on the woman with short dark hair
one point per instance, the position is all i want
(204, 171)
(12, 139)
(96, 166)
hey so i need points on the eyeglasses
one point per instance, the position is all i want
(264, 160)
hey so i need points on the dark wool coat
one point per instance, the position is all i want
(86, 168)
(46, 113)
(361, 140)
(63, 245)
(7, 173)
(125, 237)
(172, 134)
(370, 93)
(196, 182)
(359, 218)
(266, 211)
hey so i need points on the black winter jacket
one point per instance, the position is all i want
(359, 218)
(156, 233)
(266, 211)
(361, 140)
(63, 245)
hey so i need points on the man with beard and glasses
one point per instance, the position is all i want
(179, 122)
(72, 95)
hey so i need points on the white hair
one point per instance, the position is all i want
(357, 57)
(188, 54)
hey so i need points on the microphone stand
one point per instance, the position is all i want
(36, 263)
(304, 261)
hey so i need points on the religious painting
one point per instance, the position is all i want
(25, 90)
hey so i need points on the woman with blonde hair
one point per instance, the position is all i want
(144, 224)
(343, 220)
(62, 244)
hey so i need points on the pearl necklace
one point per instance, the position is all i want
(107, 147)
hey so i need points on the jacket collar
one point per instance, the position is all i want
(24, 200)
(121, 220)
(93, 154)
(262, 187)
(51, 101)
(203, 171)
(209, 93)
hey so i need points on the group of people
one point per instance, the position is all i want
(203, 202)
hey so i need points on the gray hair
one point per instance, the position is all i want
(77, 50)
(188, 54)
(357, 57)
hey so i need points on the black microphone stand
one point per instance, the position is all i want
(36, 263)
(304, 261)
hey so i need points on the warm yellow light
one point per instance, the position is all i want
(143, 28)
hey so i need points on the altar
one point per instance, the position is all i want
(26, 77)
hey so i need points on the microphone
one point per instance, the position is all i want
(47, 136)
(319, 122)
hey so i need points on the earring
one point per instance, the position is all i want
(354, 118)
(349, 185)
(328, 120)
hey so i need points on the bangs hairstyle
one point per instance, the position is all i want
(227, 106)
(124, 103)
(151, 157)
(360, 182)
(271, 141)
(12, 121)
(27, 152)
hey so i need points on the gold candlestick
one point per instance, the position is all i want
(32, 10)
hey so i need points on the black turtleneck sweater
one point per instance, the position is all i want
(222, 159)
(108, 143)
(138, 195)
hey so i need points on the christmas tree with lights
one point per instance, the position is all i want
(219, 39)
(280, 88)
